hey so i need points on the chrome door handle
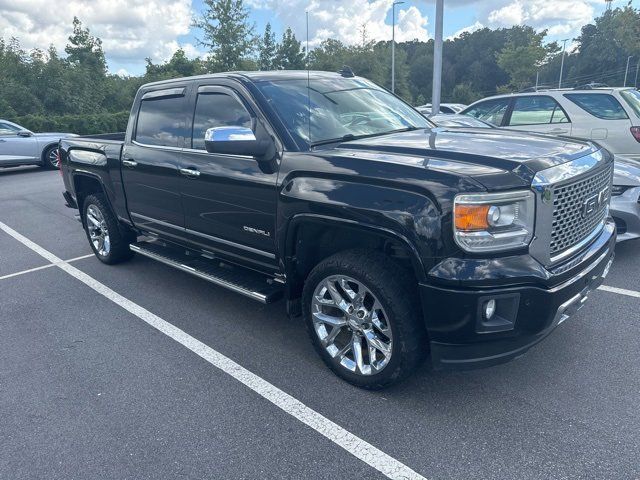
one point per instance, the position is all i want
(129, 163)
(189, 172)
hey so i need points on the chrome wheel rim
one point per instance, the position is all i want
(351, 325)
(53, 157)
(98, 231)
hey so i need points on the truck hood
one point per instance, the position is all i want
(500, 149)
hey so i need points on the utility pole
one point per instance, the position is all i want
(437, 59)
(393, 45)
(564, 46)
(627, 70)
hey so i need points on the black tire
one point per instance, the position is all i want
(46, 161)
(119, 237)
(394, 289)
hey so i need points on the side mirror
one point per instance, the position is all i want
(24, 133)
(238, 141)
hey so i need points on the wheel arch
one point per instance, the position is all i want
(44, 150)
(331, 235)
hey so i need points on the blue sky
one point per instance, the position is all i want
(132, 30)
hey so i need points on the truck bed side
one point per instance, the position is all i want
(92, 165)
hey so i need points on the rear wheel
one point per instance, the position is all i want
(50, 158)
(108, 240)
(362, 315)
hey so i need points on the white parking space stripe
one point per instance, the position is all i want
(621, 291)
(353, 444)
(11, 275)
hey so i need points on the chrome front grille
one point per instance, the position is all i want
(579, 209)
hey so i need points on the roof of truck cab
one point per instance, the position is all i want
(255, 76)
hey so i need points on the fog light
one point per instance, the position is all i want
(489, 309)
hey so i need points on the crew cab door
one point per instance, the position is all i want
(17, 146)
(151, 161)
(229, 200)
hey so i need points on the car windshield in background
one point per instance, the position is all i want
(340, 110)
(632, 97)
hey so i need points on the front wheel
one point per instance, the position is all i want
(362, 314)
(109, 242)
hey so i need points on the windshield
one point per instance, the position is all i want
(632, 97)
(340, 109)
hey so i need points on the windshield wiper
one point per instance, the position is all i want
(349, 136)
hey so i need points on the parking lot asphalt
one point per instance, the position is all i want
(89, 390)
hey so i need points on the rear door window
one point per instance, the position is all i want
(491, 111)
(161, 121)
(537, 110)
(601, 105)
(217, 110)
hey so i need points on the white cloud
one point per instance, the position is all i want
(469, 29)
(560, 17)
(130, 29)
(343, 20)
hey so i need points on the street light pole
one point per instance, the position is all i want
(564, 46)
(437, 59)
(627, 70)
(393, 45)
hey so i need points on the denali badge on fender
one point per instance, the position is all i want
(256, 231)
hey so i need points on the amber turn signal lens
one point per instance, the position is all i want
(471, 217)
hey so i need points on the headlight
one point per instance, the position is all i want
(490, 222)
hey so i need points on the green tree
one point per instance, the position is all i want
(268, 49)
(524, 54)
(226, 33)
(290, 54)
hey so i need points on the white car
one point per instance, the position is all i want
(444, 108)
(19, 146)
(608, 116)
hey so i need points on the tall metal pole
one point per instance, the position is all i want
(564, 46)
(393, 45)
(437, 59)
(635, 83)
(627, 70)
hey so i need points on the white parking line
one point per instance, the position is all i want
(353, 444)
(620, 291)
(11, 275)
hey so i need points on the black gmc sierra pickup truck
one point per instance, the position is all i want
(392, 238)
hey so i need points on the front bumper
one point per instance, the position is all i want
(625, 210)
(461, 338)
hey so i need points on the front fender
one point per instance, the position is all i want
(413, 218)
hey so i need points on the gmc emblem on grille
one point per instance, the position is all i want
(593, 203)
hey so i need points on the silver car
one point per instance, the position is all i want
(625, 193)
(625, 199)
(19, 146)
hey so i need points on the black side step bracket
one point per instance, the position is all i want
(247, 282)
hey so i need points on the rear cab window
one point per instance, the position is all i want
(537, 110)
(161, 118)
(632, 98)
(491, 111)
(600, 105)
